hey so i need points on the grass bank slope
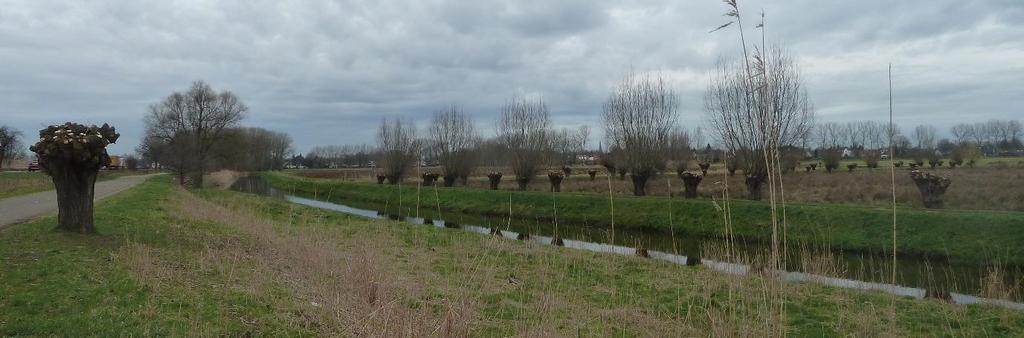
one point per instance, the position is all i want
(211, 262)
(966, 236)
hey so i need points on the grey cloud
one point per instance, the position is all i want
(327, 72)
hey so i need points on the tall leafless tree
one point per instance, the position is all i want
(639, 118)
(523, 128)
(754, 115)
(454, 140)
(568, 143)
(398, 148)
(924, 136)
(10, 143)
(679, 152)
(191, 123)
(961, 133)
(253, 149)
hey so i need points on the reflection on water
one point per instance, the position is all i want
(860, 271)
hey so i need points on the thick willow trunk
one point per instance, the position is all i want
(932, 188)
(429, 179)
(75, 192)
(523, 183)
(690, 183)
(556, 182)
(753, 183)
(449, 180)
(640, 184)
(494, 179)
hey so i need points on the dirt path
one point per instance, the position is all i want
(18, 209)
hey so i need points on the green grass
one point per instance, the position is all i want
(61, 284)
(195, 284)
(14, 183)
(978, 237)
(584, 284)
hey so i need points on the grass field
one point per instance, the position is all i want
(976, 237)
(173, 262)
(993, 184)
(13, 183)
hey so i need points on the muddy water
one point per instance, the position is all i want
(845, 269)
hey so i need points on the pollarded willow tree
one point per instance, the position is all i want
(756, 107)
(524, 130)
(639, 118)
(72, 154)
(398, 147)
(455, 141)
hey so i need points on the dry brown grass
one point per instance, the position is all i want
(221, 179)
(345, 289)
(356, 277)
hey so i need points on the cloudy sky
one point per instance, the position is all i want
(327, 72)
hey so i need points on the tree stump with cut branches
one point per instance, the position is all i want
(556, 178)
(690, 183)
(704, 166)
(72, 155)
(932, 188)
(494, 179)
(592, 173)
(754, 183)
(429, 179)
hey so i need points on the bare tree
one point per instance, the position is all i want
(639, 118)
(454, 140)
(523, 128)
(583, 136)
(398, 147)
(1014, 131)
(191, 123)
(568, 144)
(875, 137)
(254, 149)
(924, 136)
(151, 152)
(10, 143)
(756, 115)
(679, 153)
(961, 133)
(829, 135)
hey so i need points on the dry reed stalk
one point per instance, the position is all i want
(346, 286)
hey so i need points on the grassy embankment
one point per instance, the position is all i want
(20, 183)
(979, 237)
(173, 262)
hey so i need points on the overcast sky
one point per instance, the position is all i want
(327, 72)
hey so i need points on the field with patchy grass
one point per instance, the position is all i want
(173, 262)
(993, 184)
(13, 183)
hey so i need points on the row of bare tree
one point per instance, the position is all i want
(640, 120)
(994, 135)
